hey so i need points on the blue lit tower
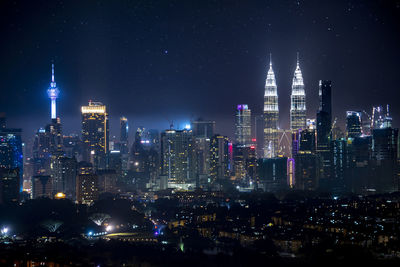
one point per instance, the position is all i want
(298, 101)
(53, 92)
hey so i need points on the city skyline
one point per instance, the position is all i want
(193, 133)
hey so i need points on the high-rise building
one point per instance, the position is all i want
(124, 145)
(353, 124)
(219, 159)
(324, 115)
(54, 130)
(324, 131)
(243, 125)
(307, 140)
(307, 168)
(203, 128)
(258, 134)
(177, 156)
(41, 186)
(53, 93)
(298, 101)
(342, 163)
(95, 134)
(107, 181)
(87, 188)
(384, 155)
(63, 175)
(11, 156)
(271, 115)
(9, 185)
(272, 174)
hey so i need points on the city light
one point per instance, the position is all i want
(4, 230)
(109, 228)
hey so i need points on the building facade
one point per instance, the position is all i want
(243, 125)
(298, 101)
(95, 134)
(271, 115)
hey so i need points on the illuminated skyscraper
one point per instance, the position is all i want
(177, 156)
(124, 135)
(243, 125)
(353, 124)
(53, 93)
(271, 115)
(298, 101)
(219, 159)
(11, 156)
(95, 133)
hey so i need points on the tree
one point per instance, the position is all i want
(99, 218)
(51, 225)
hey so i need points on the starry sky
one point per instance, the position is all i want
(161, 61)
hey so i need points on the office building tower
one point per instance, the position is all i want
(324, 116)
(11, 156)
(9, 185)
(244, 164)
(53, 93)
(307, 142)
(258, 135)
(298, 101)
(272, 174)
(243, 125)
(41, 186)
(95, 134)
(201, 128)
(54, 131)
(239, 163)
(366, 123)
(63, 175)
(271, 115)
(341, 166)
(381, 118)
(144, 158)
(353, 124)
(385, 156)
(324, 131)
(359, 179)
(295, 142)
(72, 146)
(87, 188)
(307, 168)
(202, 148)
(219, 159)
(41, 152)
(177, 156)
(107, 181)
(124, 144)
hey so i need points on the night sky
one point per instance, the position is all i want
(158, 61)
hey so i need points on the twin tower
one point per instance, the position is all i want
(271, 109)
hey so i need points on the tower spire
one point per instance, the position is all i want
(298, 62)
(270, 59)
(52, 72)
